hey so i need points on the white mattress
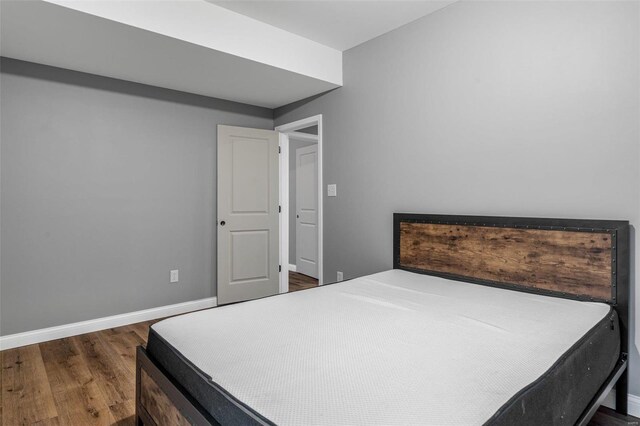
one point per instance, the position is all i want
(389, 348)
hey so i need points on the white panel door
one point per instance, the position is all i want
(248, 217)
(307, 210)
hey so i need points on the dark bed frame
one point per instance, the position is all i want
(568, 258)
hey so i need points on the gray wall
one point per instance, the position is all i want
(489, 108)
(293, 145)
(106, 186)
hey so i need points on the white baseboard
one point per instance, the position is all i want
(292, 267)
(68, 330)
(634, 403)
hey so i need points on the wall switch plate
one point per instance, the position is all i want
(173, 276)
(340, 276)
(332, 190)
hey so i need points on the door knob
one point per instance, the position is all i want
(222, 223)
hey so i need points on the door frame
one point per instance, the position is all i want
(285, 131)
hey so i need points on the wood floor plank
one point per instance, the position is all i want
(26, 392)
(115, 367)
(299, 281)
(114, 379)
(608, 417)
(75, 390)
(124, 343)
(2, 353)
(142, 329)
(123, 412)
(50, 422)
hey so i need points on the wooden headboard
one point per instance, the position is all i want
(580, 259)
(576, 259)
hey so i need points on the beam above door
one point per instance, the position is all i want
(188, 45)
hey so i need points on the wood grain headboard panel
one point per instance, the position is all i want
(578, 259)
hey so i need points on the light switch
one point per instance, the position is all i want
(332, 191)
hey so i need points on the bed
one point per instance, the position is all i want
(483, 320)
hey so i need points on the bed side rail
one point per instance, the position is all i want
(604, 390)
(162, 401)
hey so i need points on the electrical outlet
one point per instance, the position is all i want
(340, 276)
(173, 276)
(332, 190)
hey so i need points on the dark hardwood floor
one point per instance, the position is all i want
(90, 380)
(607, 417)
(300, 282)
(81, 380)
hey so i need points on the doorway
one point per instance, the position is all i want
(301, 201)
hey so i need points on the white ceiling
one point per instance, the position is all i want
(338, 24)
